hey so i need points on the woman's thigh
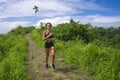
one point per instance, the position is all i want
(52, 50)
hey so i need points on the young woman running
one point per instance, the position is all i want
(49, 44)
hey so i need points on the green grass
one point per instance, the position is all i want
(37, 36)
(101, 63)
(12, 65)
(13, 48)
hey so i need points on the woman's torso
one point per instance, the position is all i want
(50, 39)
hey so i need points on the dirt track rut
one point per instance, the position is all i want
(36, 65)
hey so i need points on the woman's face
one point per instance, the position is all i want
(48, 26)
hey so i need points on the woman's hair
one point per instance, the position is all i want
(48, 23)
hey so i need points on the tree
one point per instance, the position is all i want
(36, 10)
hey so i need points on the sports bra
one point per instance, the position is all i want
(48, 34)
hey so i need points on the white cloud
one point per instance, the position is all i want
(104, 19)
(25, 8)
(4, 30)
(13, 24)
(55, 21)
(85, 5)
(7, 26)
(18, 9)
(51, 8)
(96, 20)
(54, 11)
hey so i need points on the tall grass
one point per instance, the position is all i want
(101, 63)
(13, 47)
(12, 65)
(36, 35)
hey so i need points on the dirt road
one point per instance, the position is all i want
(36, 65)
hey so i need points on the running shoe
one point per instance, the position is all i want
(53, 66)
(46, 66)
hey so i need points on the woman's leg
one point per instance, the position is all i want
(47, 54)
(53, 54)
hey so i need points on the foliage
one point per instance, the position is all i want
(73, 31)
(107, 36)
(102, 63)
(36, 35)
(99, 58)
(21, 30)
(13, 49)
(36, 9)
(1, 35)
(13, 59)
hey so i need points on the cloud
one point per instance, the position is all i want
(104, 19)
(85, 5)
(51, 8)
(24, 8)
(17, 9)
(54, 11)
(55, 21)
(95, 20)
(13, 24)
(7, 26)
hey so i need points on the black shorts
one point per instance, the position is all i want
(49, 44)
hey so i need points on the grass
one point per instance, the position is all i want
(32, 56)
(12, 65)
(101, 63)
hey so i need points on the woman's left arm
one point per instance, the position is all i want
(49, 35)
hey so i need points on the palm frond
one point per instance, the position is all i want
(36, 9)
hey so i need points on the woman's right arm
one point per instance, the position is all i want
(49, 35)
(43, 35)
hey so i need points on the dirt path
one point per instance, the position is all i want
(37, 70)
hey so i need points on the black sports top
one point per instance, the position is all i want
(48, 34)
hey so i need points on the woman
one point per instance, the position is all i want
(49, 45)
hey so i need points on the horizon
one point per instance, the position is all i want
(97, 12)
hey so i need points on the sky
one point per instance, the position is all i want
(105, 13)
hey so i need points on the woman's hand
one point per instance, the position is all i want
(49, 35)
(44, 39)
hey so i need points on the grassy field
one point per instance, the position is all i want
(101, 63)
(12, 61)
(13, 47)
(97, 61)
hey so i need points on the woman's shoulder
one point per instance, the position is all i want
(44, 32)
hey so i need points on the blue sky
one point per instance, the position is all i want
(103, 13)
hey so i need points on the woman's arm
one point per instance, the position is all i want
(49, 35)
(43, 35)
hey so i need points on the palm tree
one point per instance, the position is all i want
(36, 10)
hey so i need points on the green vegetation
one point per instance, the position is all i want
(107, 36)
(37, 36)
(73, 31)
(93, 50)
(13, 47)
(1, 35)
(88, 48)
(21, 30)
(102, 63)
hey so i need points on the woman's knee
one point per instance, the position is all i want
(53, 54)
(52, 51)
